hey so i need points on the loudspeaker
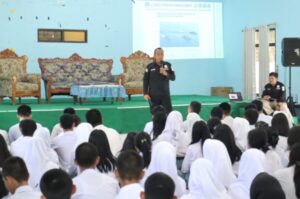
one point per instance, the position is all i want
(291, 52)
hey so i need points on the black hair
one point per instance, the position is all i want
(27, 127)
(225, 135)
(295, 160)
(55, 184)
(212, 123)
(294, 136)
(15, 167)
(24, 110)
(225, 106)
(273, 74)
(257, 138)
(273, 137)
(70, 111)
(67, 121)
(195, 107)
(129, 142)
(107, 160)
(94, 117)
(261, 124)
(251, 115)
(281, 124)
(4, 154)
(76, 120)
(159, 186)
(200, 132)
(130, 165)
(3, 190)
(258, 104)
(86, 155)
(143, 144)
(250, 106)
(156, 49)
(158, 108)
(216, 112)
(159, 123)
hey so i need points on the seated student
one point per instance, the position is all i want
(251, 115)
(143, 145)
(226, 118)
(57, 129)
(159, 186)
(15, 176)
(212, 124)
(4, 135)
(216, 112)
(274, 96)
(65, 143)
(33, 151)
(193, 115)
(4, 151)
(56, 184)
(90, 183)
(149, 125)
(241, 129)
(129, 172)
(24, 112)
(94, 117)
(129, 142)
(262, 117)
(159, 123)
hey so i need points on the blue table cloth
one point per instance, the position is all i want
(104, 90)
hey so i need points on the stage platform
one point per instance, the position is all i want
(125, 117)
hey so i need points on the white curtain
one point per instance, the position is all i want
(264, 62)
(249, 64)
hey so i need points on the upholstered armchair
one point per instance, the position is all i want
(134, 68)
(14, 81)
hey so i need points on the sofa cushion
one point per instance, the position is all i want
(134, 84)
(10, 67)
(25, 86)
(135, 69)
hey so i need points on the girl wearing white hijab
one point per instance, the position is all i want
(163, 159)
(241, 127)
(189, 122)
(216, 152)
(203, 183)
(253, 162)
(83, 132)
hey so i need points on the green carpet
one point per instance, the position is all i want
(125, 117)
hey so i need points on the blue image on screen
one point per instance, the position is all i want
(179, 34)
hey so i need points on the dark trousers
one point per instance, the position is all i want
(163, 100)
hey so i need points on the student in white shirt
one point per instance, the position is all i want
(289, 178)
(159, 123)
(57, 184)
(262, 117)
(90, 183)
(15, 176)
(193, 115)
(57, 129)
(23, 112)
(108, 162)
(241, 129)
(251, 115)
(163, 159)
(203, 182)
(65, 143)
(94, 117)
(5, 153)
(143, 145)
(129, 172)
(149, 125)
(227, 118)
(253, 162)
(159, 186)
(265, 186)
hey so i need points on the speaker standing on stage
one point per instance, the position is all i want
(156, 81)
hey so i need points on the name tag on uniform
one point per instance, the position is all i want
(278, 87)
(153, 69)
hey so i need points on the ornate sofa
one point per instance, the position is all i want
(59, 74)
(14, 81)
(134, 67)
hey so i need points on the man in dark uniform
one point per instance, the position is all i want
(156, 81)
(273, 96)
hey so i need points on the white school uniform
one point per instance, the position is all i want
(25, 192)
(265, 118)
(285, 177)
(228, 120)
(83, 132)
(188, 124)
(163, 159)
(241, 129)
(92, 184)
(273, 162)
(203, 182)
(282, 150)
(56, 131)
(253, 162)
(148, 127)
(64, 147)
(216, 152)
(4, 135)
(194, 152)
(14, 132)
(113, 137)
(131, 191)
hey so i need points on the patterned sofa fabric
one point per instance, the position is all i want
(10, 67)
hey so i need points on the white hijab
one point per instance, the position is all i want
(191, 119)
(216, 152)
(163, 159)
(253, 162)
(203, 182)
(241, 128)
(83, 132)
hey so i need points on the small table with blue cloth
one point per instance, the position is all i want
(84, 91)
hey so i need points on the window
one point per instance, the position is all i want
(272, 55)
(61, 35)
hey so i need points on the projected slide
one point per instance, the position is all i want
(186, 30)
